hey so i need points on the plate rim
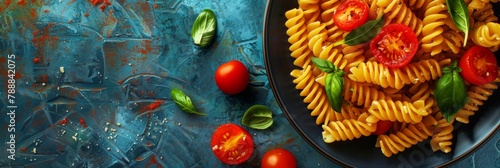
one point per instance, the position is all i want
(272, 84)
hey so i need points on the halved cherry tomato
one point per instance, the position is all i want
(278, 157)
(351, 14)
(383, 126)
(232, 144)
(479, 66)
(232, 77)
(395, 45)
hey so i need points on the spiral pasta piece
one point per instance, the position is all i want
(401, 111)
(435, 14)
(453, 41)
(353, 55)
(415, 4)
(420, 91)
(487, 35)
(424, 70)
(313, 93)
(317, 35)
(329, 7)
(484, 15)
(373, 72)
(477, 4)
(406, 137)
(398, 12)
(297, 32)
(362, 95)
(347, 129)
(442, 135)
(311, 9)
(477, 96)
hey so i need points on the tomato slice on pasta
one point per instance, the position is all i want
(395, 45)
(351, 14)
(479, 65)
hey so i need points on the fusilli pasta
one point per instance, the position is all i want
(372, 91)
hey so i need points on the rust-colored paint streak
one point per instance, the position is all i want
(86, 14)
(18, 75)
(42, 39)
(36, 60)
(46, 11)
(152, 106)
(21, 2)
(155, 6)
(44, 78)
(33, 13)
(93, 113)
(23, 149)
(153, 161)
(289, 141)
(103, 4)
(63, 121)
(139, 159)
(7, 3)
(146, 47)
(83, 123)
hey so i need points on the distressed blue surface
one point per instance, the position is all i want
(120, 60)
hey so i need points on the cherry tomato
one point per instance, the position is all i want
(232, 144)
(382, 127)
(479, 66)
(232, 77)
(351, 14)
(395, 45)
(278, 157)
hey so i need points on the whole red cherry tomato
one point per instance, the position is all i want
(232, 77)
(278, 158)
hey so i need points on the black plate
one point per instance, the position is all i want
(361, 152)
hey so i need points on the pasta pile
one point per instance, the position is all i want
(374, 92)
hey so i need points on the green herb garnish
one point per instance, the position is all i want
(364, 33)
(460, 16)
(258, 117)
(450, 92)
(184, 102)
(334, 82)
(204, 28)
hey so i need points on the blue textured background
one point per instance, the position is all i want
(118, 61)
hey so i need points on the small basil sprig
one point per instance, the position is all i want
(184, 102)
(258, 117)
(204, 28)
(460, 16)
(364, 33)
(334, 82)
(450, 92)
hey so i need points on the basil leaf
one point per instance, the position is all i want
(460, 16)
(258, 117)
(334, 85)
(450, 92)
(365, 32)
(323, 65)
(184, 102)
(204, 28)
